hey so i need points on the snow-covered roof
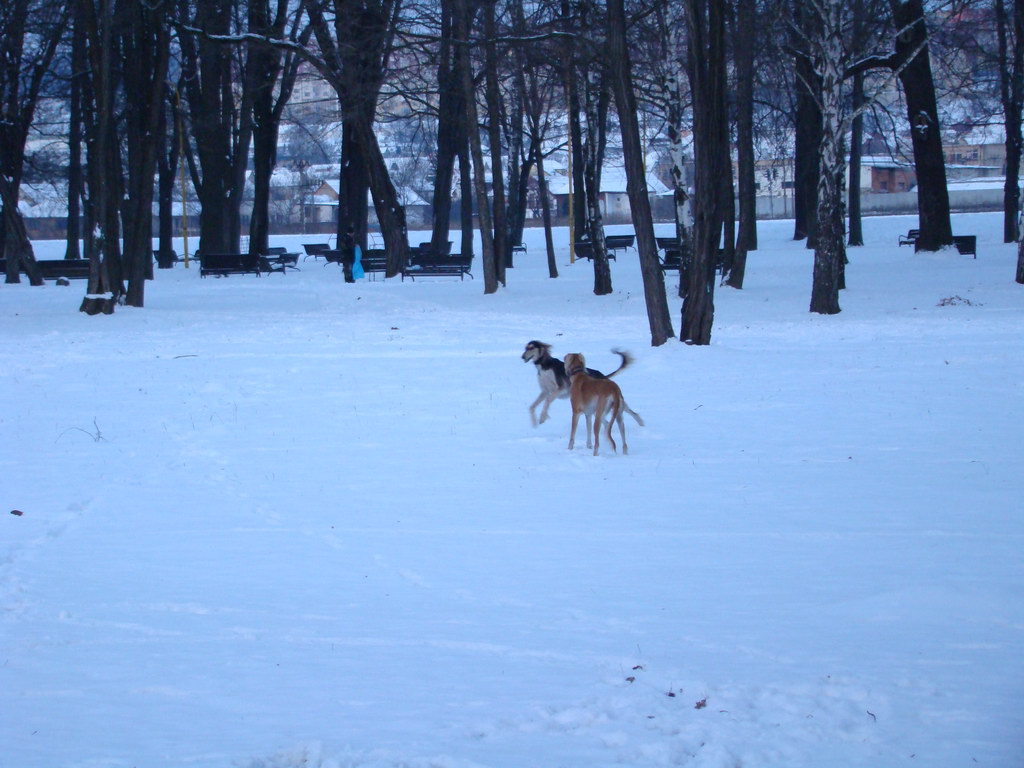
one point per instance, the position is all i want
(613, 180)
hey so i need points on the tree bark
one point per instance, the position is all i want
(708, 83)
(1011, 89)
(145, 55)
(29, 38)
(17, 246)
(463, 24)
(746, 237)
(856, 231)
(545, 205)
(594, 101)
(492, 99)
(450, 134)
(105, 180)
(828, 249)
(658, 317)
(807, 132)
(915, 74)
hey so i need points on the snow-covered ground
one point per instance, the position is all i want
(286, 521)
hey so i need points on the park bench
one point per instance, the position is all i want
(424, 249)
(224, 264)
(672, 258)
(51, 269)
(73, 269)
(428, 264)
(966, 244)
(374, 260)
(519, 248)
(169, 260)
(278, 259)
(910, 238)
(618, 243)
(316, 250)
(585, 249)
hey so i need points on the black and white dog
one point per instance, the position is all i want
(551, 376)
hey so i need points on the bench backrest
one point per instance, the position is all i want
(374, 259)
(229, 261)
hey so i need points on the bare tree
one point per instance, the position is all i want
(705, 20)
(828, 57)
(145, 50)
(745, 37)
(30, 31)
(355, 40)
(911, 62)
(271, 73)
(1010, 31)
(221, 117)
(464, 14)
(658, 316)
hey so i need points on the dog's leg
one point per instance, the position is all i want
(572, 432)
(549, 398)
(632, 413)
(598, 418)
(590, 427)
(533, 408)
(614, 412)
(622, 429)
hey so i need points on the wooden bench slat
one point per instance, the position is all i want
(224, 264)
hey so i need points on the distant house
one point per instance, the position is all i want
(322, 207)
(885, 174)
(614, 200)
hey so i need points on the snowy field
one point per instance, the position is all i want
(286, 522)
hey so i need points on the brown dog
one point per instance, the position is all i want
(595, 398)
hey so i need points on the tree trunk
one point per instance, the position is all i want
(17, 246)
(922, 113)
(807, 134)
(105, 286)
(76, 181)
(271, 85)
(545, 205)
(221, 122)
(595, 109)
(168, 165)
(828, 249)
(29, 36)
(856, 233)
(708, 83)
(146, 51)
(450, 136)
(675, 99)
(1011, 89)
(492, 98)
(466, 194)
(463, 23)
(746, 239)
(659, 319)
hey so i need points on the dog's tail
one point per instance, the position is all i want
(632, 413)
(627, 360)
